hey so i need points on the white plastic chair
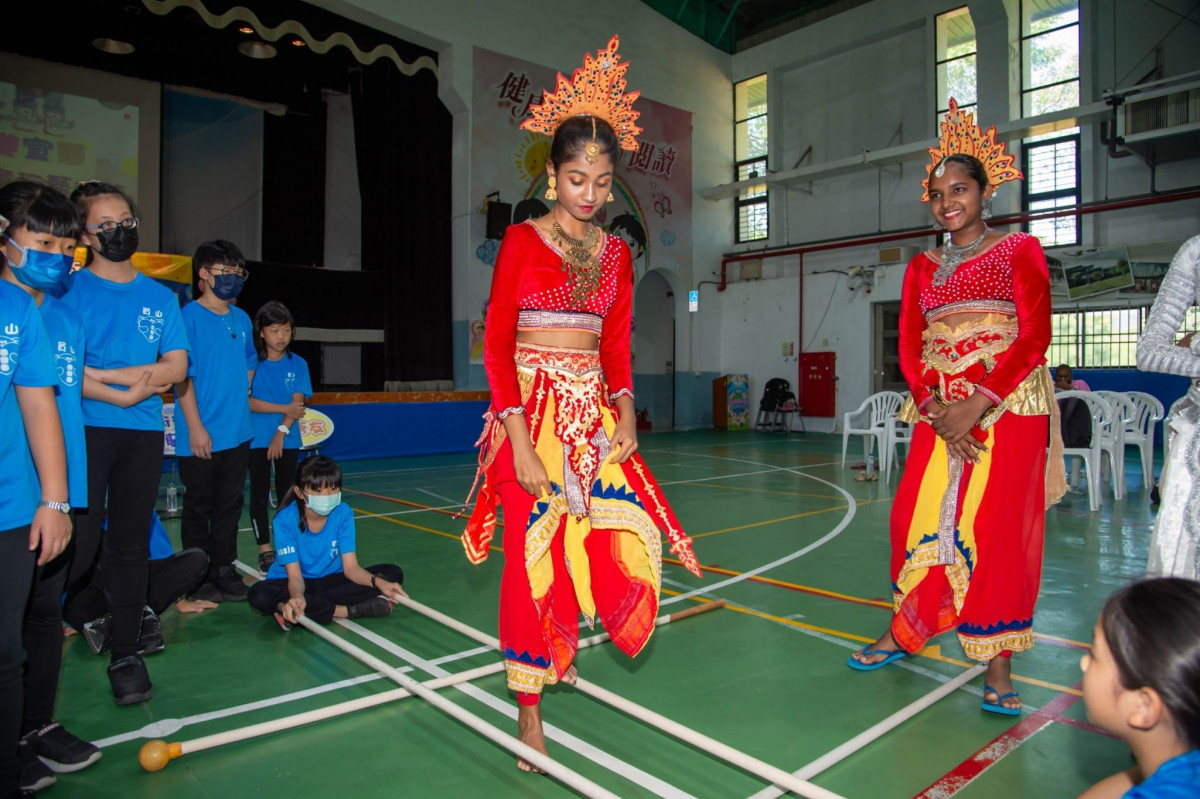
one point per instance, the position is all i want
(872, 419)
(1101, 412)
(1112, 440)
(1140, 432)
(899, 435)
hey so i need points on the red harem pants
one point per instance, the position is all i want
(539, 650)
(998, 516)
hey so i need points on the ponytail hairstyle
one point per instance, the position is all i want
(1153, 631)
(315, 474)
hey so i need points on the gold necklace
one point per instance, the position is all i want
(580, 262)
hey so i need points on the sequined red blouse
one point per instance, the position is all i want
(1009, 277)
(530, 291)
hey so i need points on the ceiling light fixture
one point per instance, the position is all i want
(246, 29)
(298, 42)
(113, 46)
(258, 50)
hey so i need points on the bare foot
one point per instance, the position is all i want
(571, 676)
(529, 732)
(999, 676)
(885, 642)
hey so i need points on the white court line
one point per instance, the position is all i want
(164, 727)
(580, 747)
(444, 499)
(851, 509)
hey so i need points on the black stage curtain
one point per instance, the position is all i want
(402, 139)
(293, 202)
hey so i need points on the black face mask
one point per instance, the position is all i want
(118, 244)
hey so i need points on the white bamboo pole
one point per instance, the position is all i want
(155, 755)
(868, 736)
(527, 753)
(702, 742)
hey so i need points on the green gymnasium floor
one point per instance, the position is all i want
(766, 674)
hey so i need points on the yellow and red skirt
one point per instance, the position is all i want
(967, 537)
(593, 546)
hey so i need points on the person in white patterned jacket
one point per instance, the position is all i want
(1175, 543)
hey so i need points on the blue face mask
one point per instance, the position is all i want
(226, 287)
(323, 504)
(43, 271)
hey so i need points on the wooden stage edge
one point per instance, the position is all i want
(359, 397)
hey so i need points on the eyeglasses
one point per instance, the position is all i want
(109, 225)
(222, 269)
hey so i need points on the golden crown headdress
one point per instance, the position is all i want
(597, 88)
(960, 134)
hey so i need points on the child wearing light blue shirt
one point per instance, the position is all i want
(212, 417)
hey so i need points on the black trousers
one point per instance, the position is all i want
(16, 576)
(260, 488)
(170, 579)
(125, 466)
(212, 504)
(321, 594)
(43, 642)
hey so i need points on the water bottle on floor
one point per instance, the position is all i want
(172, 498)
(870, 470)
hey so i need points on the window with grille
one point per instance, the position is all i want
(956, 67)
(750, 152)
(1050, 82)
(1103, 338)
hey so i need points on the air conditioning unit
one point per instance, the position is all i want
(1165, 117)
(896, 255)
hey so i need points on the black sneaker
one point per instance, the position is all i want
(376, 606)
(130, 681)
(98, 634)
(60, 750)
(34, 774)
(208, 592)
(150, 640)
(229, 584)
(265, 559)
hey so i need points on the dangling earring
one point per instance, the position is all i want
(987, 209)
(611, 197)
(552, 192)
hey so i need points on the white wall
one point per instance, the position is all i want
(864, 79)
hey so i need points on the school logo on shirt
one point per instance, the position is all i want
(66, 364)
(10, 343)
(333, 550)
(150, 325)
(289, 382)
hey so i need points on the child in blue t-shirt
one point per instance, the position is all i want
(212, 417)
(38, 247)
(316, 571)
(277, 394)
(136, 342)
(1141, 683)
(33, 464)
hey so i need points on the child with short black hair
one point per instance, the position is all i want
(33, 532)
(212, 417)
(316, 571)
(1141, 683)
(281, 385)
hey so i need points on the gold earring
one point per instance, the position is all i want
(552, 192)
(610, 197)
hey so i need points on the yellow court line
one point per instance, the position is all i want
(786, 518)
(931, 652)
(410, 524)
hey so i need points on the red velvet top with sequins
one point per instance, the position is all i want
(1009, 277)
(530, 291)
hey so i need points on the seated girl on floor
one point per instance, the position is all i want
(1141, 683)
(316, 571)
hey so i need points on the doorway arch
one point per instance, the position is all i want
(654, 348)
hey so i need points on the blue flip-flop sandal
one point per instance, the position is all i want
(997, 707)
(892, 654)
